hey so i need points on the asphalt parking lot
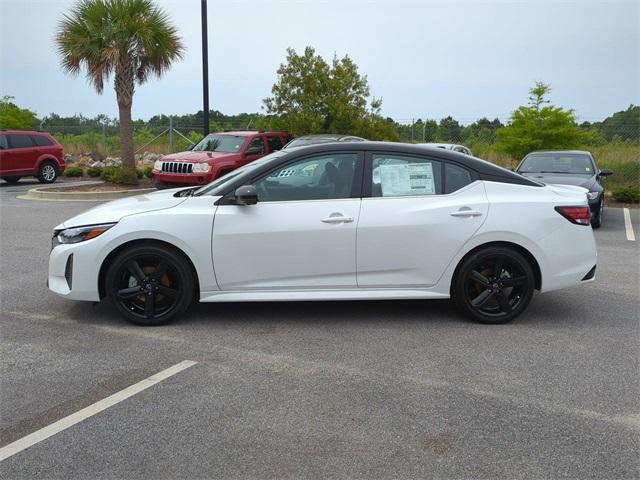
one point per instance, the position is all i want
(405, 389)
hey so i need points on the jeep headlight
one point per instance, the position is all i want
(593, 195)
(201, 167)
(157, 165)
(79, 234)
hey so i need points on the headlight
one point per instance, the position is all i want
(201, 167)
(79, 234)
(593, 195)
(157, 165)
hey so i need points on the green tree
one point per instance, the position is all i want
(14, 117)
(449, 130)
(624, 124)
(130, 40)
(313, 96)
(539, 126)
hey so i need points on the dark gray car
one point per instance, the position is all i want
(569, 167)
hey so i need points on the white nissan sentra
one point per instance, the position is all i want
(339, 221)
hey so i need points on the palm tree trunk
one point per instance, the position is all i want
(126, 136)
(124, 86)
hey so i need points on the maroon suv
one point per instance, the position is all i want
(25, 154)
(214, 156)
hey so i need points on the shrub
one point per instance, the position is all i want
(126, 176)
(73, 172)
(94, 171)
(109, 174)
(147, 171)
(627, 194)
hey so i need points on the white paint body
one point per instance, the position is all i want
(371, 248)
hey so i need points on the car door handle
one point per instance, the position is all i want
(337, 219)
(466, 213)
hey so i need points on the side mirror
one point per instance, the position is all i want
(246, 195)
(605, 173)
(253, 151)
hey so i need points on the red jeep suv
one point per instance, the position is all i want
(215, 155)
(24, 154)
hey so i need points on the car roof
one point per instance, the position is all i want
(332, 136)
(25, 132)
(246, 133)
(486, 170)
(584, 152)
(442, 145)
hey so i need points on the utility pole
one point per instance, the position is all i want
(205, 68)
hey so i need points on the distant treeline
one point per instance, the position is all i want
(623, 125)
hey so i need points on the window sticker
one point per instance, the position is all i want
(407, 179)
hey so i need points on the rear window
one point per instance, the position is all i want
(455, 177)
(19, 141)
(41, 140)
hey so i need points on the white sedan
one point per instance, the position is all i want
(340, 221)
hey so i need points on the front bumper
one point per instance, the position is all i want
(72, 271)
(182, 179)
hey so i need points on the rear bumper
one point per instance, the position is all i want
(181, 179)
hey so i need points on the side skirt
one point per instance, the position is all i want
(310, 295)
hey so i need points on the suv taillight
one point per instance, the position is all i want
(577, 215)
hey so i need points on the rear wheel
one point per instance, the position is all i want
(150, 284)
(47, 173)
(11, 179)
(494, 285)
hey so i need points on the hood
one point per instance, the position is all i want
(113, 211)
(562, 179)
(195, 157)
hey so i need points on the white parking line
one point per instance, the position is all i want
(66, 422)
(628, 226)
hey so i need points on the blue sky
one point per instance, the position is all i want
(425, 59)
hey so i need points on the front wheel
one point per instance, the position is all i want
(596, 222)
(150, 284)
(47, 173)
(494, 285)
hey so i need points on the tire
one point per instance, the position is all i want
(493, 285)
(48, 172)
(150, 284)
(597, 220)
(11, 180)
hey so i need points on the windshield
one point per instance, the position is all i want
(220, 143)
(572, 163)
(218, 186)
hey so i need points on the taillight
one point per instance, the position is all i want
(577, 215)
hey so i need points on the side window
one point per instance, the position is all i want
(400, 176)
(3, 142)
(455, 177)
(275, 143)
(323, 177)
(20, 141)
(256, 147)
(41, 141)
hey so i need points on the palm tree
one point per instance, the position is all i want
(129, 39)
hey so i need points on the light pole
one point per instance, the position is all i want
(205, 68)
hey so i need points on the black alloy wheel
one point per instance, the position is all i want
(494, 285)
(150, 284)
